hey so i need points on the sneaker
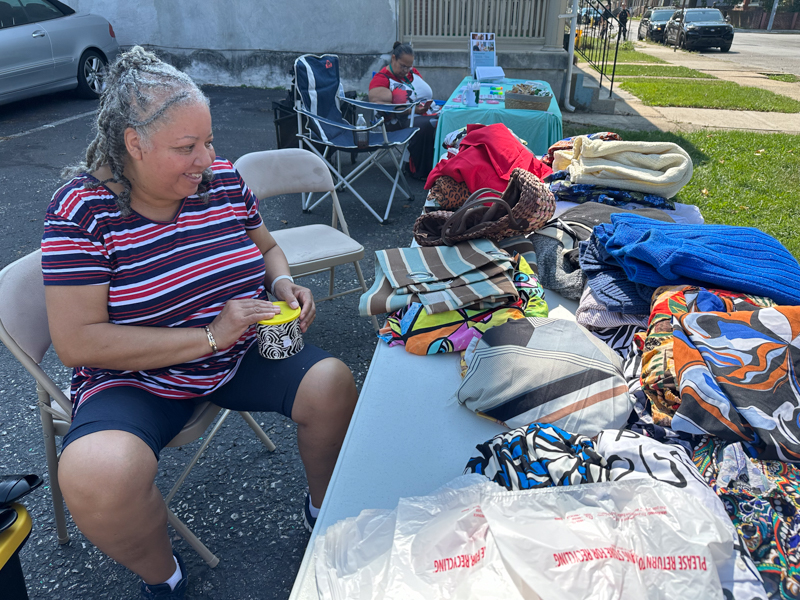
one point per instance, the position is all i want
(162, 591)
(308, 520)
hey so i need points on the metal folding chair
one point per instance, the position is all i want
(320, 123)
(24, 331)
(309, 249)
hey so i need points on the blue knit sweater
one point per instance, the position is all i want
(738, 259)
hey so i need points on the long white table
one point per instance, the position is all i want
(407, 438)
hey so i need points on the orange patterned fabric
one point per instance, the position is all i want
(659, 376)
(738, 379)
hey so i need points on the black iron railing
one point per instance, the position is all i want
(597, 39)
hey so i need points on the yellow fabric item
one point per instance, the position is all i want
(13, 537)
(286, 315)
(660, 168)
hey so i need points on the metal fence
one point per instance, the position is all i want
(446, 24)
(599, 38)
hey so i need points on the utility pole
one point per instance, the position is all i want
(683, 16)
(772, 15)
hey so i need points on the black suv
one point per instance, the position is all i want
(699, 28)
(651, 27)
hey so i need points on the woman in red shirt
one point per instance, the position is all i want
(399, 83)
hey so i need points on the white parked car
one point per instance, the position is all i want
(45, 46)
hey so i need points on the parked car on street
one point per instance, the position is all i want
(45, 46)
(651, 27)
(589, 16)
(699, 28)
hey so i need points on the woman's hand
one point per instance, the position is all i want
(236, 317)
(297, 295)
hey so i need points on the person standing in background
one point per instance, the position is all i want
(623, 22)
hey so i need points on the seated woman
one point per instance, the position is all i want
(156, 262)
(398, 83)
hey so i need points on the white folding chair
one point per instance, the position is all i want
(24, 331)
(309, 249)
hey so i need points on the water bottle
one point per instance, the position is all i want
(361, 134)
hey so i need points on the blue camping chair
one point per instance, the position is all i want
(320, 125)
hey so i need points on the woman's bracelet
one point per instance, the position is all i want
(277, 279)
(211, 341)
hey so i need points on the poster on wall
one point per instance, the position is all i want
(482, 51)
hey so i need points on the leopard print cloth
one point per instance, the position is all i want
(449, 193)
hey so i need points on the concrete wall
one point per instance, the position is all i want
(255, 42)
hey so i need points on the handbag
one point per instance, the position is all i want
(525, 205)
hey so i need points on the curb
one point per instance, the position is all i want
(778, 31)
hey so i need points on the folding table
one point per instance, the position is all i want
(540, 129)
(407, 437)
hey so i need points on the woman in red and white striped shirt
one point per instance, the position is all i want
(156, 262)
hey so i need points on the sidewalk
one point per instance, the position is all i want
(632, 114)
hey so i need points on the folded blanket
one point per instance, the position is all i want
(475, 273)
(660, 168)
(739, 259)
(568, 142)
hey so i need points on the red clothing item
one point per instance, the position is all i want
(487, 155)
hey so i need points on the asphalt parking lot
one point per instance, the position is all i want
(242, 501)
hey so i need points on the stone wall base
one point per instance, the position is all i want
(443, 70)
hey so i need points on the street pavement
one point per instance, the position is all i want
(242, 501)
(772, 52)
(632, 114)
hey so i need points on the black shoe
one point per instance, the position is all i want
(308, 520)
(162, 591)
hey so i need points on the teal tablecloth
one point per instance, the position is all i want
(541, 129)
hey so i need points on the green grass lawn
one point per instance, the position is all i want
(740, 178)
(787, 77)
(656, 71)
(708, 94)
(626, 52)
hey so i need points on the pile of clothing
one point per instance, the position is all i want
(686, 336)
(441, 298)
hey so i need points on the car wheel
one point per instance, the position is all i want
(91, 73)
(682, 42)
(725, 48)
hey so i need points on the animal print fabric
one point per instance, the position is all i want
(448, 193)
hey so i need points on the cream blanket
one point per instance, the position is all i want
(660, 168)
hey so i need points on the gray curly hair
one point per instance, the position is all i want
(140, 90)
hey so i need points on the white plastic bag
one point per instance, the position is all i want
(631, 539)
(436, 546)
(443, 548)
(628, 539)
(633, 456)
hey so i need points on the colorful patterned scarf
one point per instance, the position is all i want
(762, 499)
(659, 377)
(452, 331)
